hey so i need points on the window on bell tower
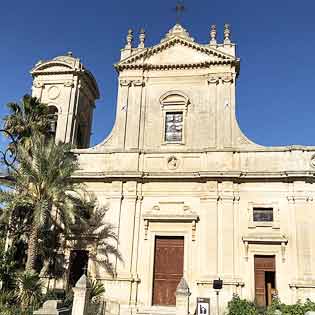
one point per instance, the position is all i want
(53, 120)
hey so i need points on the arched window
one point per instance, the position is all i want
(174, 107)
(53, 119)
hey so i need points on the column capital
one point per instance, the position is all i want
(125, 82)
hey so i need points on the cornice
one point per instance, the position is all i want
(147, 66)
(222, 175)
(257, 149)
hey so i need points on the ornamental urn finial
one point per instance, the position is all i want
(213, 35)
(227, 34)
(129, 39)
(141, 38)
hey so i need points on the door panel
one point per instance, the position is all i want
(265, 268)
(168, 269)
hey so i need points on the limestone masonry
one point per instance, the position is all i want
(189, 194)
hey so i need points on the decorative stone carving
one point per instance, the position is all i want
(38, 84)
(178, 30)
(227, 34)
(227, 78)
(68, 83)
(173, 162)
(312, 162)
(53, 92)
(138, 83)
(129, 39)
(213, 35)
(141, 38)
(124, 83)
(213, 80)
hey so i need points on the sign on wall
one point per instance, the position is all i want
(203, 306)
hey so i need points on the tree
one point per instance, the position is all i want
(26, 118)
(42, 184)
(93, 231)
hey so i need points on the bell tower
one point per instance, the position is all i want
(70, 91)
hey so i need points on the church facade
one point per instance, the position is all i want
(189, 194)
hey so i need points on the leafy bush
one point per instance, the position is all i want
(294, 309)
(238, 306)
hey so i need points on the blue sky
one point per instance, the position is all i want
(276, 44)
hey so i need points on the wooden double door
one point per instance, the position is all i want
(265, 279)
(168, 269)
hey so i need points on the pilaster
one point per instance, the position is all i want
(133, 115)
(300, 201)
(226, 230)
(208, 232)
(122, 109)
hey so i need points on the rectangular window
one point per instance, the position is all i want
(174, 127)
(262, 214)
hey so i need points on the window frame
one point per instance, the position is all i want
(275, 224)
(174, 102)
(165, 141)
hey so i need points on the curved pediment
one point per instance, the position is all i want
(52, 66)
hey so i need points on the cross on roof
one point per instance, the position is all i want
(180, 8)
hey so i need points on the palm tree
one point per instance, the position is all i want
(26, 118)
(29, 290)
(93, 231)
(42, 183)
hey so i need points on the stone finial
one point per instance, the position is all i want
(227, 34)
(213, 35)
(129, 39)
(141, 38)
(182, 287)
(83, 282)
(70, 54)
(182, 298)
(81, 295)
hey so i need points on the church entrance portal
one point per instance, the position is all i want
(78, 265)
(168, 269)
(265, 279)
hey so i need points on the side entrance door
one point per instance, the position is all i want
(265, 279)
(168, 269)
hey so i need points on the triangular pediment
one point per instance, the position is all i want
(180, 54)
(176, 51)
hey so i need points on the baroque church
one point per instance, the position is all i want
(189, 194)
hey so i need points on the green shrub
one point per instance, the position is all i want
(293, 309)
(238, 306)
